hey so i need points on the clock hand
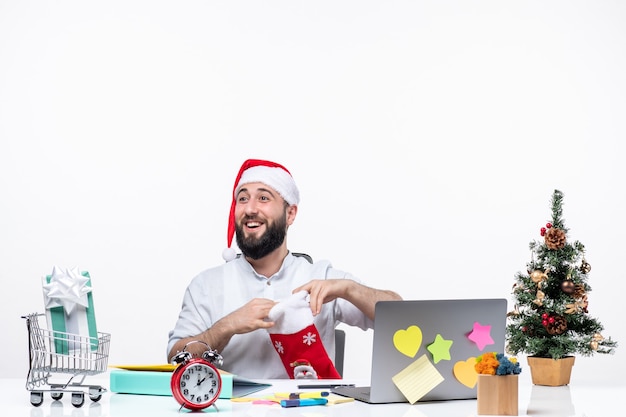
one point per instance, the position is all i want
(201, 381)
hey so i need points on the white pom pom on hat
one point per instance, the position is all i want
(229, 254)
(267, 172)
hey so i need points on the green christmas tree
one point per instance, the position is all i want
(552, 316)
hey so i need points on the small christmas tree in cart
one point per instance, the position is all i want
(551, 320)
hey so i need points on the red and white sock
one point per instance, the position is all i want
(297, 341)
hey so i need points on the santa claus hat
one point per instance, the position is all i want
(269, 173)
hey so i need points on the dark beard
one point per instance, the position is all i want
(271, 240)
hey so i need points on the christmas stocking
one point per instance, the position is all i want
(297, 340)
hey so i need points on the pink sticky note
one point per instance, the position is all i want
(481, 335)
(264, 402)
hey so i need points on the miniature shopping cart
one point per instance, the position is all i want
(53, 353)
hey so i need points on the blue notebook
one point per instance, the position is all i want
(140, 380)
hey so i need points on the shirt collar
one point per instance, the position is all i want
(288, 261)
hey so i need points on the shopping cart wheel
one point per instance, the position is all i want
(56, 395)
(36, 398)
(78, 399)
(95, 393)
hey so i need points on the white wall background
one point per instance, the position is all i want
(426, 137)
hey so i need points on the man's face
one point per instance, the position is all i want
(261, 220)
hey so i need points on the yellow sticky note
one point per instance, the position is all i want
(417, 379)
(338, 399)
(408, 341)
(166, 367)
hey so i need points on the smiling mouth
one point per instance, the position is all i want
(253, 224)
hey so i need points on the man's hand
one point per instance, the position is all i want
(251, 316)
(322, 291)
(363, 297)
(247, 318)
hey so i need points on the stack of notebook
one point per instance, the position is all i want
(155, 380)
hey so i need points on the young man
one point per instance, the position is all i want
(227, 306)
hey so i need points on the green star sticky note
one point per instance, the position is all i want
(440, 349)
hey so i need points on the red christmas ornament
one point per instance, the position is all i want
(551, 320)
(548, 225)
(543, 231)
(544, 316)
(544, 322)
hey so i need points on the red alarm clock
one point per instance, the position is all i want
(196, 383)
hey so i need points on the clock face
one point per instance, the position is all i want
(196, 385)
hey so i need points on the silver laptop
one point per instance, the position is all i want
(456, 329)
